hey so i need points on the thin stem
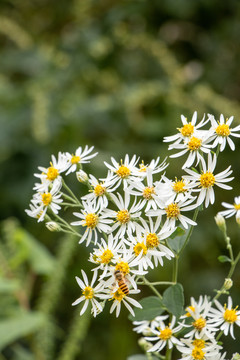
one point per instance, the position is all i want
(156, 283)
(152, 287)
(67, 225)
(71, 193)
(169, 354)
(190, 231)
(175, 269)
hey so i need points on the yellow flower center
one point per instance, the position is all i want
(199, 324)
(75, 159)
(123, 267)
(152, 240)
(237, 206)
(172, 210)
(222, 130)
(178, 186)
(46, 198)
(123, 216)
(52, 173)
(230, 315)
(207, 179)
(191, 308)
(88, 292)
(140, 247)
(198, 354)
(187, 130)
(148, 192)
(199, 343)
(118, 295)
(106, 256)
(91, 220)
(165, 334)
(123, 171)
(194, 144)
(99, 190)
(143, 167)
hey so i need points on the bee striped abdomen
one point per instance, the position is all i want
(123, 286)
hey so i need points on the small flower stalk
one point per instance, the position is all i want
(129, 219)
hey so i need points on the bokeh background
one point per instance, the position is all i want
(116, 75)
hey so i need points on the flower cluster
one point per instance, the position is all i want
(127, 220)
(195, 334)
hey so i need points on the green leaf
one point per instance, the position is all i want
(18, 327)
(151, 307)
(178, 241)
(8, 286)
(178, 232)
(173, 299)
(223, 259)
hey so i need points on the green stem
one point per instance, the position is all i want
(175, 269)
(71, 193)
(65, 223)
(189, 232)
(169, 354)
(152, 287)
(156, 283)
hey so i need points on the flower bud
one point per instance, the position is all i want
(238, 220)
(228, 283)
(52, 226)
(236, 356)
(82, 176)
(144, 344)
(221, 223)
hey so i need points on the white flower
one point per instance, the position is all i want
(201, 325)
(206, 180)
(89, 294)
(200, 348)
(188, 129)
(153, 166)
(127, 217)
(222, 132)
(225, 316)
(99, 193)
(50, 174)
(94, 220)
(123, 172)
(177, 190)
(233, 209)
(145, 326)
(165, 336)
(49, 199)
(173, 213)
(81, 156)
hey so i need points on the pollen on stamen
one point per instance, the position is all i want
(140, 247)
(207, 179)
(88, 292)
(91, 220)
(152, 240)
(106, 256)
(123, 171)
(230, 315)
(199, 324)
(198, 354)
(223, 130)
(236, 206)
(99, 190)
(143, 167)
(123, 216)
(52, 173)
(187, 130)
(75, 159)
(199, 343)
(192, 308)
(172, 210)
(46, 198)
(194, 144)
(118, 295)
(123, 267)
(148, 192)
(179, 186)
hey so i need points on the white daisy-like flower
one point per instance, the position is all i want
(222, 131)
(148, 192)
(89, 294)
(145, 326)
(106, 254)
(200, 348)
(153, 166)
(50, 174)
(122, 173)
(81, 156)
(99, 193)
(225, 316)
(201, 324)
(94, 219)
(233, 209)
(194, 146)
(165, 336)
(173, 211)
(177, 190)
(48, 200)
(128, 216)
(187, 130)
(207, 180)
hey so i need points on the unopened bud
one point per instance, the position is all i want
(228, 283)
(238, 220)
(52, 226)
(144, 344)
(220, 221)
(236, 356)
(82, 176)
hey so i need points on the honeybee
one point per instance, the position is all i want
(120, 279)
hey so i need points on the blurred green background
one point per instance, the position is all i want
(116, 75)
